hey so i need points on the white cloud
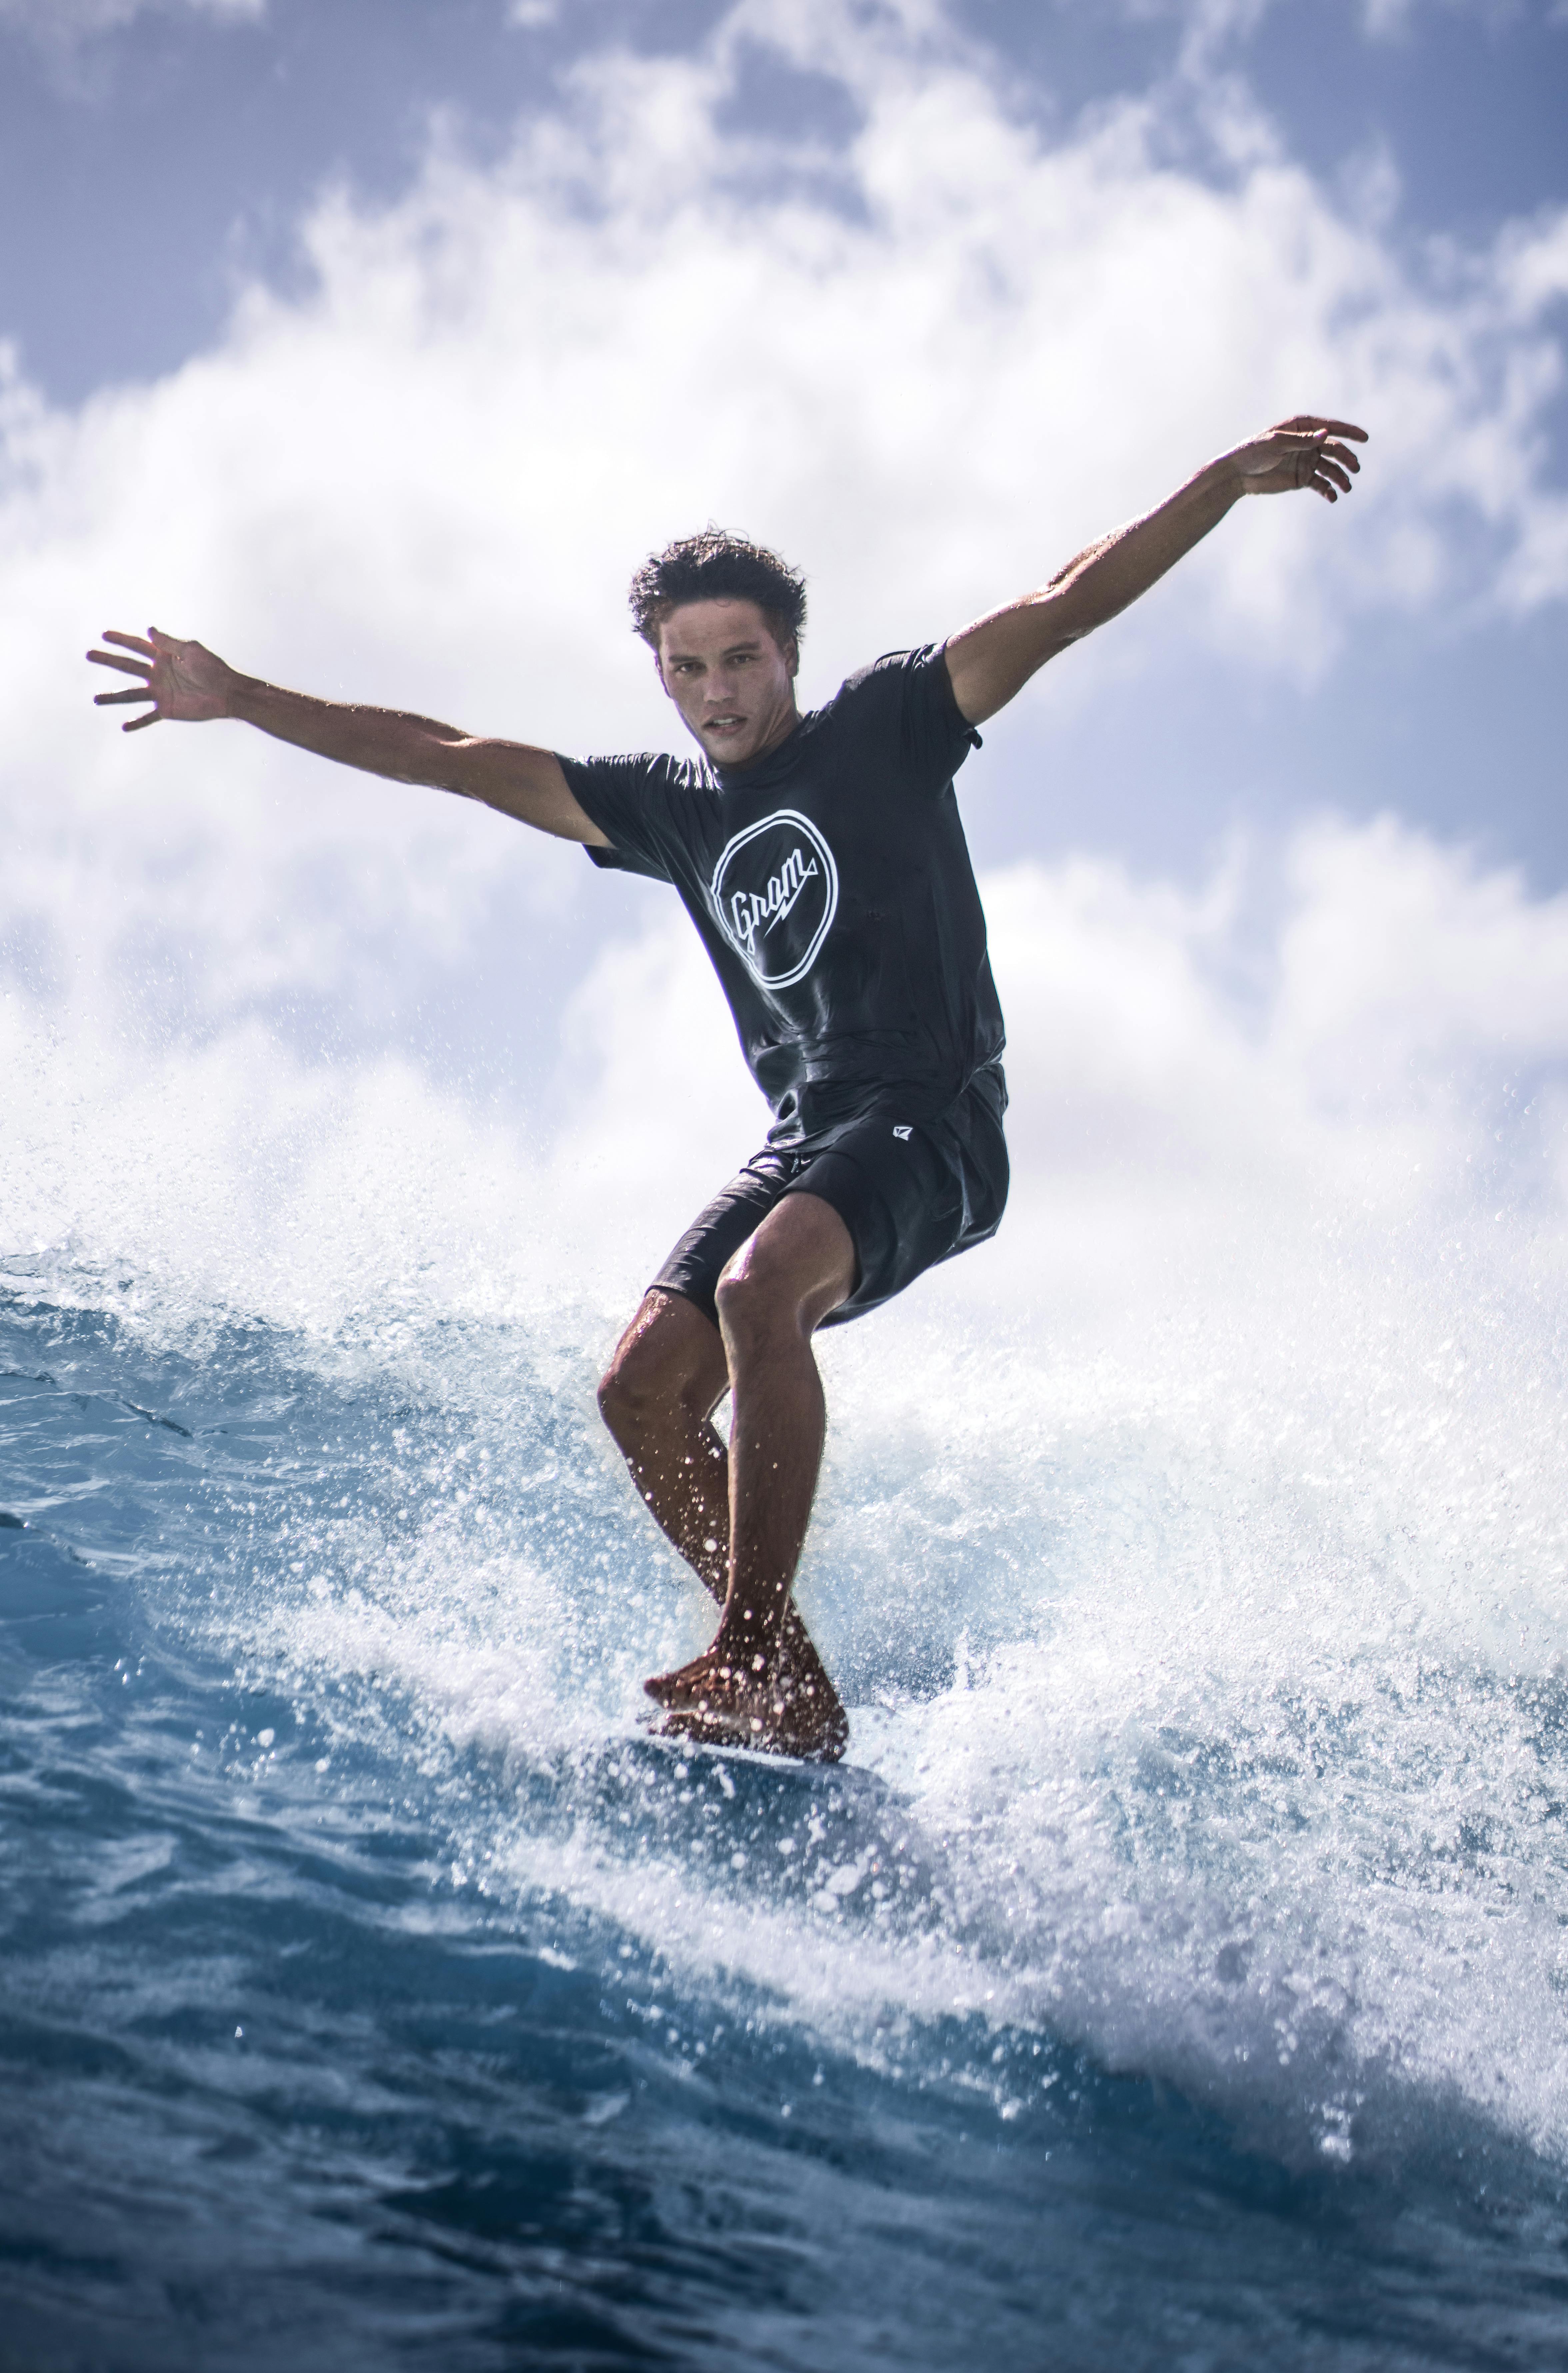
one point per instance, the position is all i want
(1371, 1035)
(57, 24)
(1387, 20)
(1212, 25)
(1256, 1369)
(68, 34)
(929, 366)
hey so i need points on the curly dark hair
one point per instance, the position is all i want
(713, 566)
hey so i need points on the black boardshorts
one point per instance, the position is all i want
(911, 1193)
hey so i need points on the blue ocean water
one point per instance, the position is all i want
(1175, 1975)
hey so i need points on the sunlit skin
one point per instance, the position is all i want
(730, 677)
(739, 1512)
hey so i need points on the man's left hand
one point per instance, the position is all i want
(1301, 452)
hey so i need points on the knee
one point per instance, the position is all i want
(623, 1397)
(755, 1303)
(646, 1384)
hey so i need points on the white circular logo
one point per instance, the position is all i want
(776, 891)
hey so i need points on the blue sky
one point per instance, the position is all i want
(376, 345)
(202, 134)
(156, 161)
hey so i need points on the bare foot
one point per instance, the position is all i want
(779, 1711)
(798, 1663)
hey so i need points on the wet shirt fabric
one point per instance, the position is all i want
(832, 888)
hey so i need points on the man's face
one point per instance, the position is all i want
(732, 683)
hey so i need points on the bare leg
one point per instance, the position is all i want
(658, 1397)
(783, 1282)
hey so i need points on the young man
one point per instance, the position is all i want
(822, 861)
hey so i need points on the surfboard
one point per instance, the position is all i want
(833, 1832)
(761, 1764)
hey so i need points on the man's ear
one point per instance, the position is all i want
(792, 657)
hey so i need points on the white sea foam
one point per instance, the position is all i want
(1194, 1556)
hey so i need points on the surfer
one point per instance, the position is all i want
(821, 859)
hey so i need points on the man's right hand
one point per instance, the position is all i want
(181, 679)
(185, 680)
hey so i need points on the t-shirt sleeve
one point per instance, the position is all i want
(935, 737)
(630, 800)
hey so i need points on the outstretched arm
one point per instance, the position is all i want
(187, 681)
(994, 658)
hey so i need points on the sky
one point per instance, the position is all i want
(375, 344)
(161, 164)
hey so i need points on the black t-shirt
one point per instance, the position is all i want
(833, 891)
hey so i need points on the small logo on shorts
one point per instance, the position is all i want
(902, 1128)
